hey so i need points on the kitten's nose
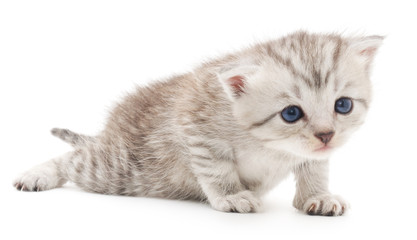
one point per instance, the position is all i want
(324, 137)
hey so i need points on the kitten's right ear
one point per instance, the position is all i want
(235, 79)
(365, 48)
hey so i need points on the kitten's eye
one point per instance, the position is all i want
(292, 114)
(343, 105)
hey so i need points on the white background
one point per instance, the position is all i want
(65, 63)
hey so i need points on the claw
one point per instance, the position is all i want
(311, 209)
(333, 212)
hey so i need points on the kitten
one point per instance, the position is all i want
(230, 130)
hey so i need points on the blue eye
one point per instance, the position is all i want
(291, 114)
(343, 105)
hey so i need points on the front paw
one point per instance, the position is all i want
(325, 205)
(242, 202)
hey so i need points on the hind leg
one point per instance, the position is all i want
(95, 167)
(44, 176)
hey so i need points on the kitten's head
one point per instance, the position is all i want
(304, 94)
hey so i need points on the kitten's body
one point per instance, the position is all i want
(215, 134)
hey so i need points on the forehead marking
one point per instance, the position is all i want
(288, 64)
(336, 55)
(304, 46)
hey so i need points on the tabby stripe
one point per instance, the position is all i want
(77, 162)
(199, 145)
(94, 180)
(288, 64)
(326, 79)
(263, 122)
(336, 53)
(317, 78)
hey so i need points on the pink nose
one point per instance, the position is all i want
(324, 137)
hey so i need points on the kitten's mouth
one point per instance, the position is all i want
(325, 148)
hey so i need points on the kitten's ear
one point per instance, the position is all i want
(365, 48)
(236, 84)
(234, 79)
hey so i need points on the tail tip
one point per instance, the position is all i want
(54, 131)
(58, 131)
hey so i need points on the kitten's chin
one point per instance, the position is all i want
(319, 153)
(322, 155)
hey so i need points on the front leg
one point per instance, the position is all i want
(219, 180)
(312, 194)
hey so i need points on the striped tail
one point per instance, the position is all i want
(75, 139)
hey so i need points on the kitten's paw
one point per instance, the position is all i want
(29, 182)
(39, 178)
(325, 205)
(242, 202)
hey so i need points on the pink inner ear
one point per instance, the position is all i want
(237, 84)
(370, 51)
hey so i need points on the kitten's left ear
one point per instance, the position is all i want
(365, 48)
(234, 79)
